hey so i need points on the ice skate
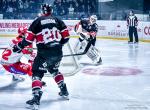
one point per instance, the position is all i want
(63, 91)
(43, 84)
(99, 62)
(17, 78)
(34, 103)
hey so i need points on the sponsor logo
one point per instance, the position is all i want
(147, 30)
(118, 33)
(112, 71)
(102, 27)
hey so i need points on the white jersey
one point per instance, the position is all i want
(10, 57)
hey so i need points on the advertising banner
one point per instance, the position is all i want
(109, 29)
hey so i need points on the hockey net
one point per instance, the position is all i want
(69, 65)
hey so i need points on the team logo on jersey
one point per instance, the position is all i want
(45, 65)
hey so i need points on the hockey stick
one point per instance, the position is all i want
(75, 54)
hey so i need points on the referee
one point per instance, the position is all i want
(132, 23)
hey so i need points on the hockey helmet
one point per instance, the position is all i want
(93, 19)
(131, 13)
(46, 8)
(22, 30)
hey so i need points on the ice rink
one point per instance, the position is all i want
(122, 82)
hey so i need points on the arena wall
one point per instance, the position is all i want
(107, 29)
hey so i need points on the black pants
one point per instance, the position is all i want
(133, 30)
(41, 65)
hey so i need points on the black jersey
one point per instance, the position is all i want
(132, 21)
(47, 29)
(89, 27)
(48, 32)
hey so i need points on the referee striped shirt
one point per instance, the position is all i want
(132, 21)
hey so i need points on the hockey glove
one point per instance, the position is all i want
(16, 48)
(90, 38)
(27, 50)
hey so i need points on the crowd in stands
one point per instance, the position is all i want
(19, 9)
(80, 8)
(28, 9)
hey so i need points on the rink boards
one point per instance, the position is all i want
(106, 29)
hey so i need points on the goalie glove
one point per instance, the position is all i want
(84, 36)
(90, 38)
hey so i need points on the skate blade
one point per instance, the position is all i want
(29, 106)
(64, 97)
(32, 107)
(35, 107)
(18, 80)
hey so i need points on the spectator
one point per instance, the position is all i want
(71, 9)
(20, 5)
(9, 9)
(65, 5)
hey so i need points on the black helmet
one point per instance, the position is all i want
(46, 8)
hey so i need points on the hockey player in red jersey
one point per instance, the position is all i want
(50, 34)
(11, 60)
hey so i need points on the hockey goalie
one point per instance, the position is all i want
(87, 30)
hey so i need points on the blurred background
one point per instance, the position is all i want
(76, 9)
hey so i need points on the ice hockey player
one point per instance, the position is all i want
(87, 30)
(11, 60)
(50, 34)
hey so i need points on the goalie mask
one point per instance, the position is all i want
(93, 19)
(46, 9)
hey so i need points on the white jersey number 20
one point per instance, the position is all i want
(50, 35)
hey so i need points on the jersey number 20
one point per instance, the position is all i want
(49, 35)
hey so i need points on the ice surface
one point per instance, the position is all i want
(122, 82)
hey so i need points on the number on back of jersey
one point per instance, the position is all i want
(50, 35)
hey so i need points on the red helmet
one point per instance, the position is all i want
(22, 30)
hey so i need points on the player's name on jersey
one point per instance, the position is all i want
(46, 21)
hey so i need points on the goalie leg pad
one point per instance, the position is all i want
(80, 46)
(94, 54)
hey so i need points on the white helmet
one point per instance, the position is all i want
(93, 19)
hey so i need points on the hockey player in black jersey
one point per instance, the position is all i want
(50, 34)
(87, 30)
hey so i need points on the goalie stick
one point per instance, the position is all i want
(63, 55)
(82, 53)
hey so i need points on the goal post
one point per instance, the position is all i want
(69, 65)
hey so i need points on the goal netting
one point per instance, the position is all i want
(69, 65)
